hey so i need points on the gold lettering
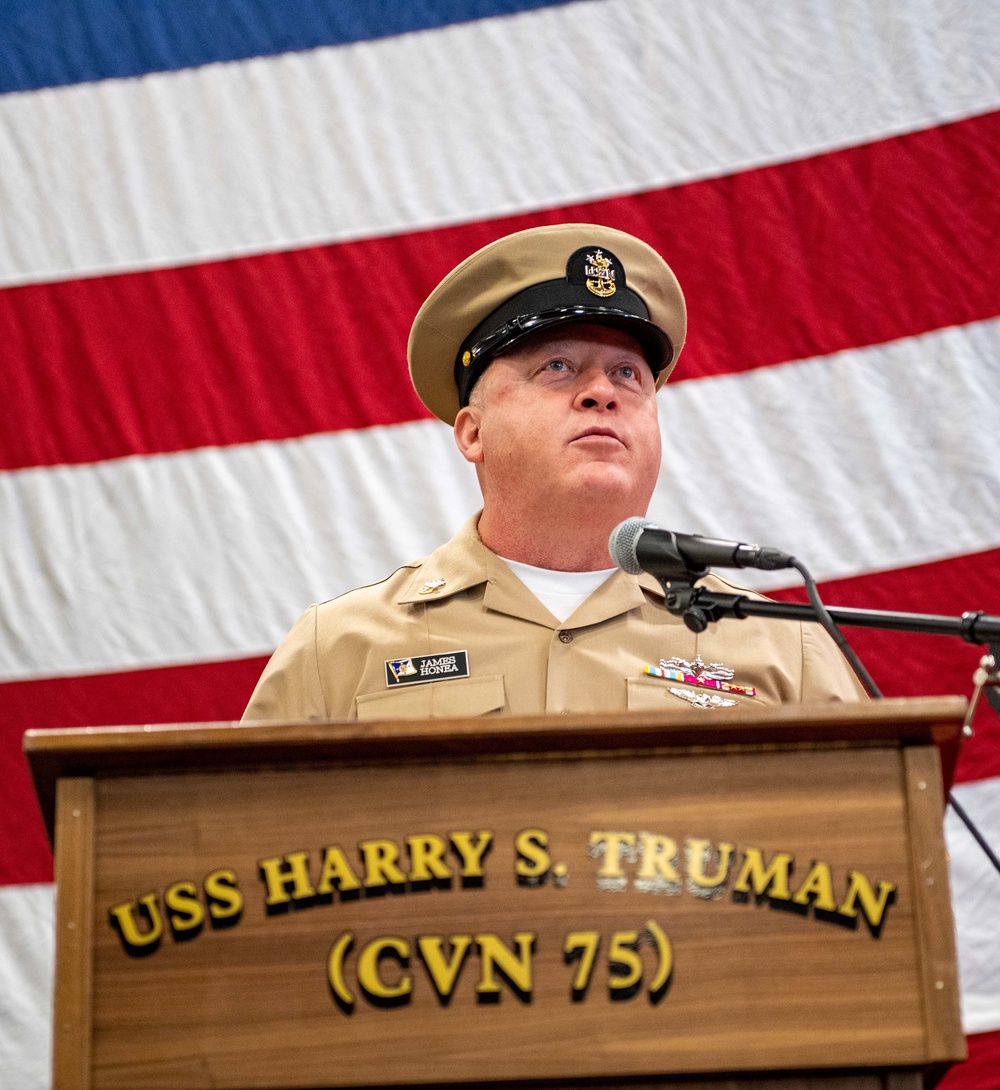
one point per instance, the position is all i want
(282, 871)
(658, 985)
(772, 882)
(368, 975)
(124, 917)
(515, 967)
(337, 873)
(443, 971)
(335, 972)
(426, 858)
(379, 858)
(818, 886)
(185, 911)
(585, 944)
(614, 843)
(224, 900)
(624, 963)
(658, 857)
(533, 860)
(699, 852)
(471, 852)
(873, 907)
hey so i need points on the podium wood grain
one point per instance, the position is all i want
(756, 988)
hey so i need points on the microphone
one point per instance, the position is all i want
(637, 545)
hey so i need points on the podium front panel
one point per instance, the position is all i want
(510, 918)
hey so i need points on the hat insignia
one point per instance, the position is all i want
(600, 275)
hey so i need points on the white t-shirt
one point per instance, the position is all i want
(561, 592)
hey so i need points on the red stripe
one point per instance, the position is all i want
(175, 694)
(846, 249)
(903, 664)
(981, 1071)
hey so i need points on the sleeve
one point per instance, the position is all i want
(290, 686)
(826, 674)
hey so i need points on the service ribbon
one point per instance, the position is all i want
(669, 674)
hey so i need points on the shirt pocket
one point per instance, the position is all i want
(461, 698)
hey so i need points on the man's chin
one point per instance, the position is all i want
(611, 484)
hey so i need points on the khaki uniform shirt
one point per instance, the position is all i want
(521, 660)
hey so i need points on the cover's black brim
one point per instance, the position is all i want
(655, 344)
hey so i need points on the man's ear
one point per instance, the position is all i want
(467, 434)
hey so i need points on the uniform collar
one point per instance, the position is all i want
(465, 562)
(456, 566)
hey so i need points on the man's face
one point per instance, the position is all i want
(567, 416)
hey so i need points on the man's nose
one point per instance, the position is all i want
(596, 390)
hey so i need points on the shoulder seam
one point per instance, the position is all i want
(412, 565)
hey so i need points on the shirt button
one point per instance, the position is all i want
(566, 637)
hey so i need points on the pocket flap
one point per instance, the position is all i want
(467, 696)
(647, 694)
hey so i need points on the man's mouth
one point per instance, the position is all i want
(605, 433)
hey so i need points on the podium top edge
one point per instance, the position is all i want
(927, 719)
(56, 753)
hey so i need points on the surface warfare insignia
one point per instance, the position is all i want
(419, 669)
(714, 671)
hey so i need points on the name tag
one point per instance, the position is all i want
(423, 668)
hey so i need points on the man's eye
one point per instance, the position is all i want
(556, 365)
(628, 372)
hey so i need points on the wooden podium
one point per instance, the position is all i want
(750, 899)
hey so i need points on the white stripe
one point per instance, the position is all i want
(211, 554)
(471, 121)
(861, 461)
(27, 922)
(974, 889)
(867, 460)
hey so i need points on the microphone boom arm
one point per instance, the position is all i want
(698, 607)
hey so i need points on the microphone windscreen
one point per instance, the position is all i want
(622, 543)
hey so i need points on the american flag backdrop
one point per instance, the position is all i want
(217, 221)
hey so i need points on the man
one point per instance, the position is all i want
(544, 350)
